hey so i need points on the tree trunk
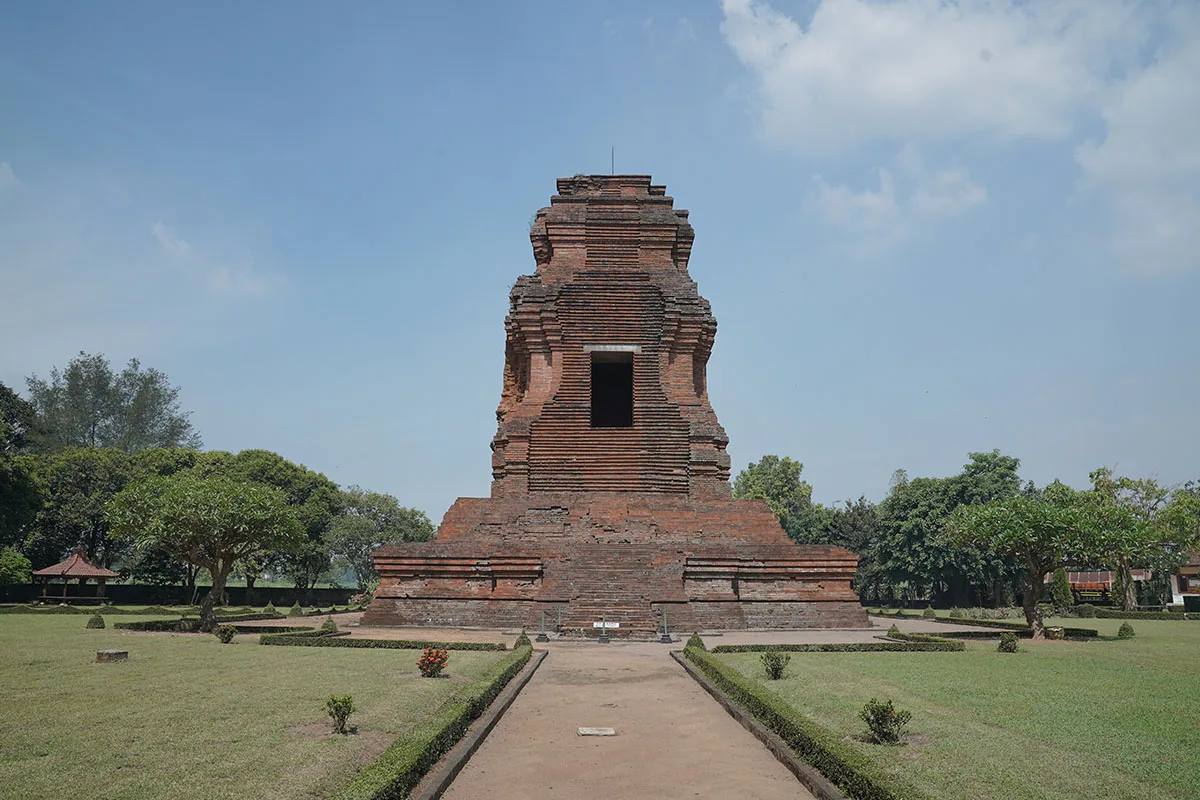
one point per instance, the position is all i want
(1128, 599)
(250, 579)
(208, 618)
(1035, 583)
(192, 571)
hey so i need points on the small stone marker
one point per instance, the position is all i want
(597, 732)
(109, 656)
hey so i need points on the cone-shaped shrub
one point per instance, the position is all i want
(695, 641)
(1125, 631)
(95, 621)
(1008, 642)
(329, 626)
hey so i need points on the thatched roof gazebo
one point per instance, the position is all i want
(76, 567)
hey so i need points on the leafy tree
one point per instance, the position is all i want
(1057, 527)
(854, 525)
(911, 552)
(369, 521)
(79, 482)
(15, 568)
(87, 405)
(315, 499)
(212, 523)
(1146, 526)
(21, 497)
(18, 421)
(777, 481)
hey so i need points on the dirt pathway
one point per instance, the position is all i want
(673, 740)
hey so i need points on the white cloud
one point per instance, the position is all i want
(910, 196)
(1149, 159)
(864, 70)
(8, 178)
(220, 277)
(860, 73)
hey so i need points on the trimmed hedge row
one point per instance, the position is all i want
(932, 646)
(44, 610)
(181, 625)
(314, 637)
(1109, 613)
(815, 744)
(1075, 633)
(927, 638)
(414, 753)
(192, 624)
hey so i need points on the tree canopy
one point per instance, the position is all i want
(777, 481)
(314, 498)
(88, 405)
(211, 522)
(369, 521)
(1055, 527)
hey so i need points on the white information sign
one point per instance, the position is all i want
(606, 624)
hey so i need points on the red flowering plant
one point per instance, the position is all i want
(432, 661)
(884, 721)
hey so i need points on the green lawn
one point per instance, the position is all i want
(1108, 718)
(188, 717)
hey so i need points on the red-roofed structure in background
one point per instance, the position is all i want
(76, 567)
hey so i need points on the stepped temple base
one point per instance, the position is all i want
(624, 558)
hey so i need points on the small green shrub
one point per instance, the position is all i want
(329, 626)
(957, 613)
(893, 631)
(885, 723)
(225, 633)
(1061, 596)
(269, 608)
(775, 662)
(929, 613)
(339, 708)
(95, 621)
(1125, 631)
(296, 611)
(1086, 610)
(522, 640)
(695, 641)
(1008, 642)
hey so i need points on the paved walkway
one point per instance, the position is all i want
(673, 740)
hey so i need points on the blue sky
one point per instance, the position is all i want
(926, 228)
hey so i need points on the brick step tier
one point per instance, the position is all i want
(611, 581)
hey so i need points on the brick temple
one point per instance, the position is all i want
(610, 482)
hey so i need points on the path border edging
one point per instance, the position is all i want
(438, 780)
(814, 781)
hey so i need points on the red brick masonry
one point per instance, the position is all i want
(622, 523)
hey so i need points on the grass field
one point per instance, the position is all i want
(188, 717)
(1059, 720)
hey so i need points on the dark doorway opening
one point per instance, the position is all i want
(612, 390)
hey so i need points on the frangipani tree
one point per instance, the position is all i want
(1056, 527)
(211, 523)
(1146, 526)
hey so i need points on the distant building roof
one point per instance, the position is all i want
(76, 566)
